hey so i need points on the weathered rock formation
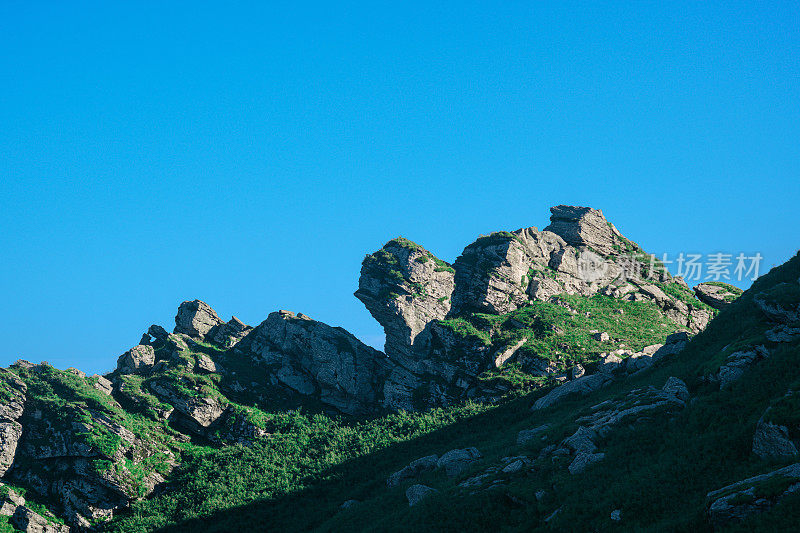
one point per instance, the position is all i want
(717, 295)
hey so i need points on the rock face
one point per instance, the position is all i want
(138, 358)
(317, 360)
(196, 319)
(405, 287)
(10, 412)
(771, 441)
(409, 291)
(231, 332)
(717, 295)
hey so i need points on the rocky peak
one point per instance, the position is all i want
(405, 287)
(196, 319)
(313, 359)
(492, 273)
(584, 226)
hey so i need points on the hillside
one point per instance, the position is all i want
(556, 379)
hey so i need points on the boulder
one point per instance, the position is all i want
(580, 386)
(677, 388)
(311, 358)
(457, 461)
(206, 364)
(601, 336)
(584, 226)
(31, 522)
(417, 493)
(231, 332)
(137, 359)
(414, 469)
(772, 441)
(716, 294)
(583, 460)
(196, 319)
(581, 441)
(157, 332)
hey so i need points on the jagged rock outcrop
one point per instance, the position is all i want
(137, 359)
(405, 287)
(317, 360)
(11, 409)
(716, 294)
(231, 332)
(196, 319)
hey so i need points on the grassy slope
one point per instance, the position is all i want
(656, 472)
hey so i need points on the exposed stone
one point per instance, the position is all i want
(509, 352)
(584, 226)
(405, 287)
(737, 363)
(583, 460)
(717, 295)
(201, 410)
(102, 384)
(739, 500)
(417, 493)
(347, 504)
(772, 441)
(457, 461)
(206, 364)
(31, 522)
(414, 469)
(677, 388)
(314, 359)
(10, 412)
(616, 515)
(581, 441)
(580, 386)
(137, 359)
(527, 435)
(157, 332)
(601, 336)
(231, 332)
(196, 319)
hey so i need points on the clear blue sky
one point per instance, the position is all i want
(250, 154)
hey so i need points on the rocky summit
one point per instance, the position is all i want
(556, 379)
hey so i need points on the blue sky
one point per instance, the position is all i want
(251, 154)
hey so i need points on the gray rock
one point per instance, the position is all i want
(314, 359)
(405, 288)
(739, 500)
(31, 522)
(417, 493)
(527, 435)
(10, 412)
(771, 441)
(231, 332)
(514, 466)
(581, 441)
(138, 359)
(206, 364)
(717, 296)
(677, 388)
(678, 336)
(584, 226)
(737, 363)
(413, 470)
(203, 411)
(580, 386)
(157, 332)
(783, 333)
(457, 461)
(196, 319)
(583, 460)
(616, 515)
(601, 336)
(577, 372)
(348, 504)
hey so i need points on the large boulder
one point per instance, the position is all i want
(231, 332)
(414, 469)
(772, 441)
(405, 288)
(457, 461)
(313, 359)
(717, 294)
(137, 359)
(196, 319)
(417, 493)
